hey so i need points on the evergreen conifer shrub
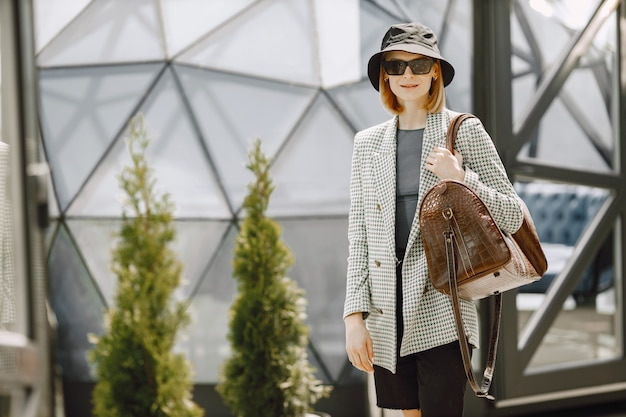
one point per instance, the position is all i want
(137, 372)
(267, 373)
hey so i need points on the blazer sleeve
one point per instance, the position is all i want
(485, 174)
(357, 285)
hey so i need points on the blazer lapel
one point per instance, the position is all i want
(385, 173)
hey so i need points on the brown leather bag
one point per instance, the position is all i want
(470, 258)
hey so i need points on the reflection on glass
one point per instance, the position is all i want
(577, 129)
(580, 333)
(585, 329)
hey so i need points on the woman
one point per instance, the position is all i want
(397, 325)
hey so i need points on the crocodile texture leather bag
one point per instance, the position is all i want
(487, 261)
(470, 258)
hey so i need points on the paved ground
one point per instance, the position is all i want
(604, 410)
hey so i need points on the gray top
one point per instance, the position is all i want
(408, 158)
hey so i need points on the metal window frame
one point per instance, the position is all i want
(517, 390)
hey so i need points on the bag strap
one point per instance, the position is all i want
(483, 389)
(455, 124)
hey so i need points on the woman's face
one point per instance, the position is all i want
(409, 87)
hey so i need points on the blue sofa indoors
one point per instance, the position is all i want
(561, 212)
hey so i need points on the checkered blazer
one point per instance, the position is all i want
(371, 277)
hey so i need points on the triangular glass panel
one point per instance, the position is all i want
(356, 100)
(195, 243)
(187, 20)
(339, 61)
(313, 243)
(102, 32)
(374, 24)
(95, 239)
(249, 45)
(77, 305)
(318, 364)
(82, 111)
(312, 172)
(431, 13)
(455, 40)
(176, 154)
(205, 343)
(51, 16)
(50, 233)
(53, 205)
(220, 103)
(388, 7)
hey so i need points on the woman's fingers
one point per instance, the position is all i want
(444, 164)
(362, 359)
(359, 346)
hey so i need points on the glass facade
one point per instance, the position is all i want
(210, 77)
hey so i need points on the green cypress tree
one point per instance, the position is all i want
(138, 375)
(268, 373)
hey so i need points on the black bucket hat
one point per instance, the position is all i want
(409, 37)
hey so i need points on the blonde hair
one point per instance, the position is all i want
(435, 103)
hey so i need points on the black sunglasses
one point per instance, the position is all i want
(418, 66)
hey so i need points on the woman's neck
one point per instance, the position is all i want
(412, 118)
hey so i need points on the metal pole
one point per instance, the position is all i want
(28, 188)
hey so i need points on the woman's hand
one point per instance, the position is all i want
(359, 343)
(445, 165)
